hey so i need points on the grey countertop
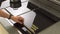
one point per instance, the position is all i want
(53, 29)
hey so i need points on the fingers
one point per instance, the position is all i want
(18, 19)
(21, 20)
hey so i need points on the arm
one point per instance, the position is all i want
(3, 14)
(18, 19)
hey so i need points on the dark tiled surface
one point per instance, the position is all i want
(31, 6)
(43, 18)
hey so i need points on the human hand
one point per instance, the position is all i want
(18, 19)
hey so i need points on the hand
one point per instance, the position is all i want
(18, 19)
